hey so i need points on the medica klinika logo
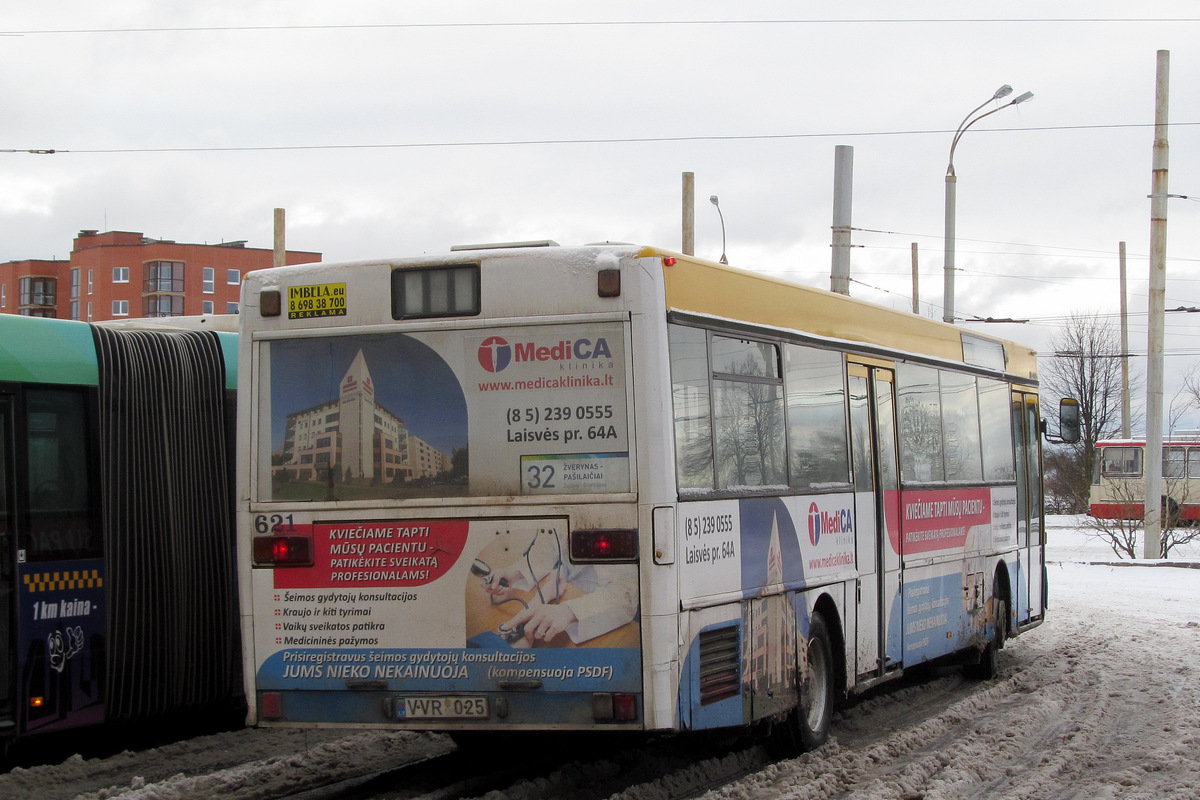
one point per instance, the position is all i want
(495, 353)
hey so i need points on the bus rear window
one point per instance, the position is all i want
(443, 291)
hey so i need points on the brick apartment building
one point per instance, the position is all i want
(120, 274)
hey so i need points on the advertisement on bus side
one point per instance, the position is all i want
(62, 643)
(742, 545)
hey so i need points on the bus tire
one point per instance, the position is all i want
(988, 666)
(1001, 622)
(813, 716)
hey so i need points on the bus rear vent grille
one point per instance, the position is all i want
(720, 659)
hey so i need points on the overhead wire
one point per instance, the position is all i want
(600, 24)
(543, 142)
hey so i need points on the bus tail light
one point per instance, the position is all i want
(604, 545)
(608, 707)
(608, 283)
(270, 705)
(283, 551)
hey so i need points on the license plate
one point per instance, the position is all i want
(442, 707)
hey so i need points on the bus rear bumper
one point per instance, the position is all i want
(454, 711)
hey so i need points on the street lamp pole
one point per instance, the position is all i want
(951, 187)
(713, 200)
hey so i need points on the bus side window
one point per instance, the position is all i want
(693, 410)
(61, 523)
(1174, 462)
(5, 525)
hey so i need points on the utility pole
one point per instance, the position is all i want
(280, 248)
(916, 293)
(1152, 547)
(1125, 432)
(843, 191)
(689, 213)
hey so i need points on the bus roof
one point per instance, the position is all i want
(40, 350)
(706, 288)
(1184, 438)
(719, 290)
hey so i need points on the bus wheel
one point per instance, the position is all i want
(988, 666)
(815, 713)
(1001, 622)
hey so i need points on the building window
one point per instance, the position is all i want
(74, 309)
(210, 279)
(120, 308)
(89, 319)
(208, 307)
(3, 295)
(163, 286)
(233, 276)
(162, 305)
(120, 274)
(164, 276)
(75, 288)
(231, 308)
(89, 281)
(38, 291)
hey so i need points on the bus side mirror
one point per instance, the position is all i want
(1068, 420)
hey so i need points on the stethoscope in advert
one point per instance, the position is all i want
(481, 569)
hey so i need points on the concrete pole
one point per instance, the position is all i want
(1158, 295)
(1125, 432)
(280, 248)
(689, 213)
(948, 281)
(843, 191)
(916, 293)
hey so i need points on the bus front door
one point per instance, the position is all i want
(1028, 602)
(876, 490)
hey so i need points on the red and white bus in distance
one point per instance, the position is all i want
(1119, 485)
(614, 487)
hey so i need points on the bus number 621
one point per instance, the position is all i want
(274, 522)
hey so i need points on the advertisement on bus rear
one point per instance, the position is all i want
(447, 605)
(529, 410)
(443, 604)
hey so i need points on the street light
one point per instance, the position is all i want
(713, 200)
(951, 182)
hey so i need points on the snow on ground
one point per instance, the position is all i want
(1102, 701)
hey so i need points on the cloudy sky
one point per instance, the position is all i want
(388, 129)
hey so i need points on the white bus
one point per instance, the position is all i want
(1118, 489)
(613, 487)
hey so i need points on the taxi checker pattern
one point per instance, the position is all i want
(58, 581)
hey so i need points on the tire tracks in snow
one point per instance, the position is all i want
(1084, 709)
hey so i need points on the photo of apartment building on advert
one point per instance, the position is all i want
(349, 446)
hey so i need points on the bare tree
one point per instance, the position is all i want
(1188, 396)
(1086, 365)
(1124, 531)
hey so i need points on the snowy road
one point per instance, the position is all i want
(1100, 702)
